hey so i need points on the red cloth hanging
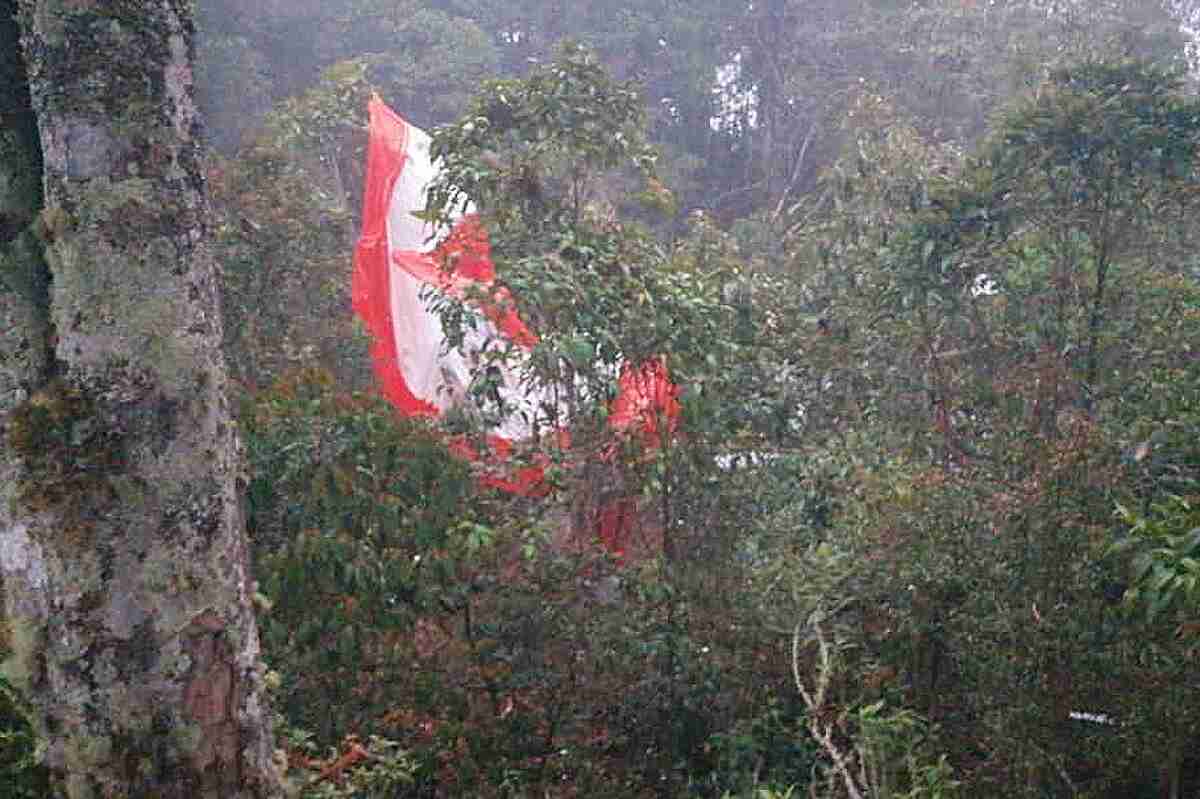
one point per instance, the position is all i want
(395, 271)
(387, 154)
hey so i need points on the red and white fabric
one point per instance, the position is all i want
(397, 279)
(398, 275)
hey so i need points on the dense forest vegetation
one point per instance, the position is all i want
(926, 274)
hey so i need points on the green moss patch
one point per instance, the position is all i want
(68, 451)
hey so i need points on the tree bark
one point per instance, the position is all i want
(126, 593)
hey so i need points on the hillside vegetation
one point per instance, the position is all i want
(926, 276)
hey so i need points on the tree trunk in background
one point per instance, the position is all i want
(127, 599)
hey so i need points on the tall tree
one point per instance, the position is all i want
(127, 620)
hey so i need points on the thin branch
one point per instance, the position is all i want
(814, 701)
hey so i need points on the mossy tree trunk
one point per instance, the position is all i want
(127, 600)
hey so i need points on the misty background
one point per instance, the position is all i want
(749, 103)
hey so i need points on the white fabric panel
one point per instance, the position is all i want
(435, 375)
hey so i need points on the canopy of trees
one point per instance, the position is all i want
(926, 275)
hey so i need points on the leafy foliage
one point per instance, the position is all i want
(1013, 289)
(928, 334)
(284, 236)
(345, 508)
(1165, 573)
(546, 159)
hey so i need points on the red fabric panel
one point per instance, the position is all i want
(370, 287)
(525, 481)
(646, 398)
(615, 525)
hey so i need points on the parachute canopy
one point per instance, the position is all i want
(399, 275)
(397, 278)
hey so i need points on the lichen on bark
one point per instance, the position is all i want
(127, 592)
